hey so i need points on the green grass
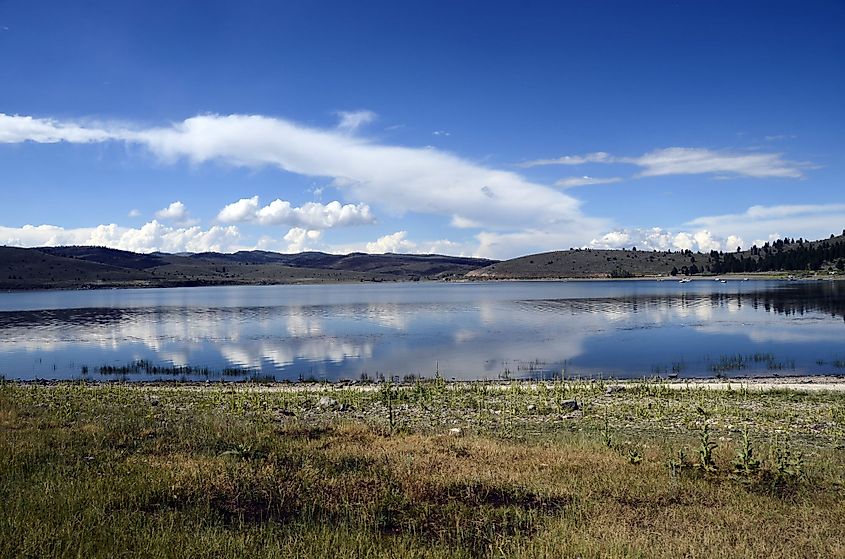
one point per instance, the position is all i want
(266, 471)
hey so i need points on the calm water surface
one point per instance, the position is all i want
(467, 331)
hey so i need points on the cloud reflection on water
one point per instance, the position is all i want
(462, 333)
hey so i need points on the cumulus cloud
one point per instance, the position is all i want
(656, 238)
(134, 212)
(571, 182)
(312, 215)
(299, 239)
(242, 210)
(693, 161)
(398, 242)
(177, 213)
(757, 225)
(401, 179)
(315, 215)
(733, 242)
(705, 241)
(352, 120)
(395, 242)
(150, 237)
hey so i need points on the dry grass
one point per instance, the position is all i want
(104, 472)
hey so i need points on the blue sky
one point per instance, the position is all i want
(476, 128)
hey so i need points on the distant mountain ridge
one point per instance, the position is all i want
(90, 266)
(75, 267)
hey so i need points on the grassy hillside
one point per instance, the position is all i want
(787, 255)
(587, 263)
(411, 265)
(32, 269)
(98, 267)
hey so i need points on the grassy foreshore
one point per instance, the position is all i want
(431, 469)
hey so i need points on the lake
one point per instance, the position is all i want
(486, 330)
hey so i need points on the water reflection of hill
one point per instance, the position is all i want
(792, 299)
(51, 318)
(801, 298)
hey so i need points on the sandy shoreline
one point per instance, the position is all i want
(797, 384)
(819, 383)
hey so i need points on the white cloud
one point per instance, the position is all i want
(733, 242)
(352, 120)
(441, 133)
(312, 215)
(656, 238)
(398, 242)
(813, 221)
(645, 239)
(315, 215)
(427, 180)
(597, 157)
(300, 239)
(693, 161)
(464, 223)
(571, 182)
(176, 211)
(763, 212)
(395, 242)
(134, 212)
(242, 210)
(727, 232)
(150, 237)
(16, 129)
(771, 238)
(684, 241)
(444, 246)
(401, 179)
(778, 137)
(705, 241)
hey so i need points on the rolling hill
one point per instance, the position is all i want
(74, 267)
(784, 255)
(98, 267)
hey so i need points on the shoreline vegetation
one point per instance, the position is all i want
(767, 276)
(730, 278)
(430, 468)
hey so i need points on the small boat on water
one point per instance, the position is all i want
(685, 280)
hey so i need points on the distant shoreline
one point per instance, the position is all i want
(699, 278)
